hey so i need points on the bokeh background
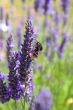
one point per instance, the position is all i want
(53, 69)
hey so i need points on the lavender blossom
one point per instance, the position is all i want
(1, 43)
(14, 85)
(7, 20)
(38, 5)
(64, 4)
(65, 7)
(56, 17)
(46, 6)
(26, 60)
(61, 47)
(51, 43)
(42, 5)
(9, 50)
(18, 35)
(4, 96)
(43, 101)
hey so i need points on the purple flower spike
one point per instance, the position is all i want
(56, 16)
(64, 4)
(10, 53)
(61, 47)
(14, 85)
(38, 5)
(43, 101)
(26, 60)
(46, 6)
(7, 19)
(4, 96)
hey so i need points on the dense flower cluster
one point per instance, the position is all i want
(20, 73)
(26, 60)
(4, 95)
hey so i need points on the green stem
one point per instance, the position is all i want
(23, 104)
(16, 105)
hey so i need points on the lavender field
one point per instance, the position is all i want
(36, 54)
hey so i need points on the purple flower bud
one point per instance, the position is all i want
(7, 20)
(61, 47)
(1, 43)
(56, 17)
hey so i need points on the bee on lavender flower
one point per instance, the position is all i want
(37, 49)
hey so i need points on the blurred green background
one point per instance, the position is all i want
(56, 75)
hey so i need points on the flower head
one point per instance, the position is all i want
(25, 58)
(4, 96)
(9, 49)
(26, 75)
(14, 85)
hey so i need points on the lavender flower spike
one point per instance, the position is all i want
(46, 6)
(64, 4)
(4, 96)
(14, 85)
(62, 45)
(43, 101)
(26, 60)
(9, 48)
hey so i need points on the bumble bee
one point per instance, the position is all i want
(36, 50)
